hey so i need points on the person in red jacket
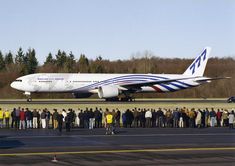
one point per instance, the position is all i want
(22, 119)
(218, 118)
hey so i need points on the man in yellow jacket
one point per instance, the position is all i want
(1, 118)
(7, 118)
(109, 123)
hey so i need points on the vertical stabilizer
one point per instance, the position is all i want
(198, 66)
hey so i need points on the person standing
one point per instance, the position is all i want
(96, 116)
(154, 118)
(22, 119)
(91, 119)
(207, 117)
(192, 116)
(55, 119)
(124, 123)
(64, 113)
(225, 118)
(142, 118)
(68, 120)
(60, 118)
(148, 116)
(117, 118)
(28, 116)
(17, 124)
(231, 119)
(212, 118)
(203, 118)
(48, 117)
(135, 115)
(218, 118)
(181, 121)
(39, 118)
(100, 118)
(7, 118)
(13, 117)
(77, 119)
(199, 119)
(129, 118)
(176, 118)
(160, 116)
(168, 118)
(35, 119)
(1, 118)
(109, 121)
(81, 118)
(43, 119)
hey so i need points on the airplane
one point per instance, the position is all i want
(111, 86)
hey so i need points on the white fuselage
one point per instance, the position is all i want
(88, 83)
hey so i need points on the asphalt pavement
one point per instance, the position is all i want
(130, 146)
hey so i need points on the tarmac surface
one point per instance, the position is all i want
(102, 101)
(130, 146)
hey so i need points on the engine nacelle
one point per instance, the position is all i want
(108, 91)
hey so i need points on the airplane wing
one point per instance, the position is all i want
(205, 79)
(198, 79)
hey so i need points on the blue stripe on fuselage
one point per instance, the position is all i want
(135, 79)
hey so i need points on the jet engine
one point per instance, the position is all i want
(108, 91)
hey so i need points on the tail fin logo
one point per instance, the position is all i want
(197, 63)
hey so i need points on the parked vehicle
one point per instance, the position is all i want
(231, 99)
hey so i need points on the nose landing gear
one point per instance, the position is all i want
(28, 95)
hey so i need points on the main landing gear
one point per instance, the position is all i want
(126, 98)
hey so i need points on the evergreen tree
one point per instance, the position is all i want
(49, 59)
(83, 63)
(97, 66)
(2, 62)
(61, 59)
(30, 62)
(9, 58)
(19, 59)
(70, 63)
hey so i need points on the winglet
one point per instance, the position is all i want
(198, 66)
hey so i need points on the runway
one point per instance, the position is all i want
(101, 101)
(131, 146)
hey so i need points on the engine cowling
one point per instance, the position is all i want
(108, 91)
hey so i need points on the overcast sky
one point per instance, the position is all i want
(116, 29)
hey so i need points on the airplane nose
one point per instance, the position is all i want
(13, 85)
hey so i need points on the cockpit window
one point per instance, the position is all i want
(18, 80)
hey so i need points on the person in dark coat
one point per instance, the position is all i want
(142, 118)
(203, 118)
(100, 118)
(154, 118)
(86, 118)
(60, 121)
(117, 118)
(124, 122)
(96, 116)
(129, 118)
(81, 118)
(68, 121)
(13, 117)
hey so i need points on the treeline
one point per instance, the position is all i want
(25, 62)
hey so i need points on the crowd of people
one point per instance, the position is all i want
(24, 118)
